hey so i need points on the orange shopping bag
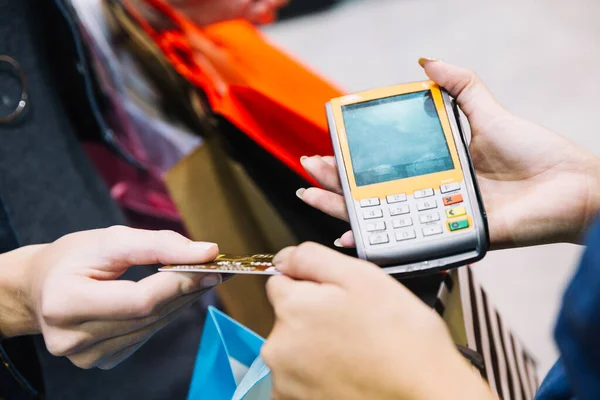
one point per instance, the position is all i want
(273, 99)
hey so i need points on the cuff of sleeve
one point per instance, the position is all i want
(12, 380)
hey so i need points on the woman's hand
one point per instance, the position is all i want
(206, 12)
(537, 187)
(346, 330)
(68, 291)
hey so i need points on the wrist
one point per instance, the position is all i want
(17, 317)
(592, 206)
(453, 377)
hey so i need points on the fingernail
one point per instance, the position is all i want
(303, 158)
(338, 243)
(300, 192)
(282, 255)
(211, 280)
(425, 60)
(277, 259)
(203, 246)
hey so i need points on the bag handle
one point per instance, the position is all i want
(471, 355)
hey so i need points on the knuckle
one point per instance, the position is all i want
(108, 366)
(145, 304)
(69, 237)
(464, 82)
(307, 246)
(83, 361)
(166, 235)
(294, 258)
(304, 251)
(322, 169)
(471, 80)
(117, 231)
(267, 353)
(53, 310)
(89, 358)
(304, 254)
(471, 75)
(111, 363)
(113, 235)
(60, 345)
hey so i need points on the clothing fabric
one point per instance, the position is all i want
(48, 188)
(576, 375)
(134, 110)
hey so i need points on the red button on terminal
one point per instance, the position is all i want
(449, 200)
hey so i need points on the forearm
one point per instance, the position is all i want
(16, 316)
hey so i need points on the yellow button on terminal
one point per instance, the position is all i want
(456, 212)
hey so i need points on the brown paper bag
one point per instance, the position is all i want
(219, 203)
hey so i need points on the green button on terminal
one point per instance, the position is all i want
(458, 225)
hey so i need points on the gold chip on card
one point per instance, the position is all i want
(258, 264)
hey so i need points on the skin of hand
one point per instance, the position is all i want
(206, 12)
(68, 291)
(346, 330)
(537, 187)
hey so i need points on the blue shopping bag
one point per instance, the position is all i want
(228, 364)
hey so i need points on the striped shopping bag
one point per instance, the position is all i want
(477, 328)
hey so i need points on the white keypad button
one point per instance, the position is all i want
(405, 235)
(369, 202)
(399, 210)
(430, 217)
(402, 222)
(451, 187)
(432, 230)
(419, 194)
(373, 214)
(396, 198)
(376, 226)
(427, 205)
(381, 238)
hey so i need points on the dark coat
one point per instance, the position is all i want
(48, 188)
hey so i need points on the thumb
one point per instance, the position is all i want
(465, 86)
(316, 263)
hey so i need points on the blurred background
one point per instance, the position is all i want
(540, 59)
